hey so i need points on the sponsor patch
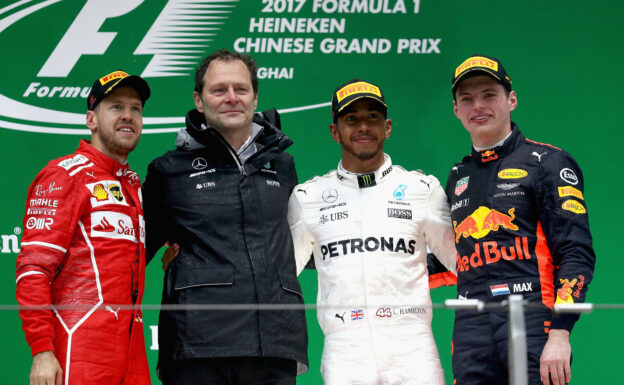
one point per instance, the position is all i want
(41, 191)
(459, 204)
(41, 211)
(202, 172)
(106, 192)
(357, 88)
(112, 76)
(399, 213)
(565, 191)
(574, 206)
(500, 289)
(333, 206)
(488, 156)
(507, 186)
(564, 294)
(199, 163)
(71, 162)
(114, 225)
(461, 185)
(273, 183)
(200, 186)
(477, 61)
(512, 173)
(337, 216)
(44, 202)
(482, 221)
(568, 176)
(39, 223)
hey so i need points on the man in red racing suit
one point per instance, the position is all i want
(82, 263)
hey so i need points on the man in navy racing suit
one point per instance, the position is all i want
(521, 227)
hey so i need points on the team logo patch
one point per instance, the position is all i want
(399, 193)
(507, 186)
(564, 294)
(461, 185)
(71, 162)
(199, 163)
(330, 195)
(568, 176)
(512, 173)
(482, 221)
(565, 191)
(116, 192)
(574, 206)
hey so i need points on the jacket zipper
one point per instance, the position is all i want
(231, 151)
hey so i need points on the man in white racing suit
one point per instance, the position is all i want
(369, 224)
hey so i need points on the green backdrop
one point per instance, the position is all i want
(564, 57)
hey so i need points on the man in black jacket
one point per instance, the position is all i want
(521, 227)
(221, 197)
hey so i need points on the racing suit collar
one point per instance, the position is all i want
(364, 180)
(486, 156)
(102, 160)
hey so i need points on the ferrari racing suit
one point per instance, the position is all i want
(521, 227)
(83, 254)
(369, 235)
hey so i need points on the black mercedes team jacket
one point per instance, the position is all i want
(235, 246)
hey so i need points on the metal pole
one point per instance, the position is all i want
(518, 369)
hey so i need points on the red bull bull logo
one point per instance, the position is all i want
(482, 221)
(488, 156)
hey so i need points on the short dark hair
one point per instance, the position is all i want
(226, 56)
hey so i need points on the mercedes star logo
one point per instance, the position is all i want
(199, 163)
(330, 195)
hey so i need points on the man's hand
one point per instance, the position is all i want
(169, 255)
(45, 369)
(555, 358)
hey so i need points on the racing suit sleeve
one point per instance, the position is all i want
(440, 238)
(564, 239)
(302, 238)
(53, 207)
(155, 212)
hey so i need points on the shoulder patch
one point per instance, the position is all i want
(74, 161)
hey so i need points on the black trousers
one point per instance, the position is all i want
(230, 371)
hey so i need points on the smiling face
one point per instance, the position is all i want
(116, 123)
(484, 108)
(361, 130)
(227, 100)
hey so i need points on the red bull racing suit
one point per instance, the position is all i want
(83, 254)
(521, 227)
(369, 235)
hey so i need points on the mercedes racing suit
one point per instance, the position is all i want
(521, 227)
(369, 234)
(83, 254)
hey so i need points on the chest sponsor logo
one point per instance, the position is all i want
(459, 204)
(491, 252)
(565, 191)
(333, 206)
(340, 215)
(330, 195)
(41, 211)
(399, 192)
(512, 173)
(114, 225)
(41, 191)
(507, 186)
(203, 185)
(75, 161)
(33, 223)
(508, 194)
(574, 206)
(193, 175)
(488, 156)
(386, 172)
(199, 163)
(43, 202)
(273, 183)
(399, 213)
(371, 244)
(106, 192)
(366, 180)
(482, 221)
(568, 176)
(461, 185)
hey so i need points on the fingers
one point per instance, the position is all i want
(169, 255)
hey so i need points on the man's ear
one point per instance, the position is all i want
(335, 133)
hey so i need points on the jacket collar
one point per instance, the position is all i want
(102, 160)
(498, 152)
(364, 180)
